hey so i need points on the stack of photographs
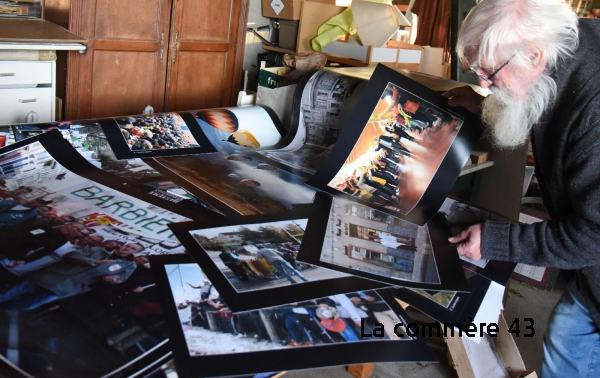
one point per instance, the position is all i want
(303, 240)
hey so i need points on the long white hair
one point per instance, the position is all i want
(501, 29)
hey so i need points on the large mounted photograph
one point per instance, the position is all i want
(402, 149)
(88, 138)
(235, 183)
(77, 296)
(252, 261)
(323, 103)
(360, 240)
(208, 339)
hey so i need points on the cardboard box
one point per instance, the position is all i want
(506, 349)
(288, 34)
(478, 157)
(314, 14)
(282, 9)
(272, 77)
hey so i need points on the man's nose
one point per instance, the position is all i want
(483, 83)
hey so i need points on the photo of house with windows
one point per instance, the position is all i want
(368, 240)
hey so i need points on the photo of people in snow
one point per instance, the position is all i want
(156, 132)
(209, 327)
(398, 152)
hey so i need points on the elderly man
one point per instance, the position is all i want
(542, 66)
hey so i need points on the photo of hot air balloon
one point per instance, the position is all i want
(240, 128)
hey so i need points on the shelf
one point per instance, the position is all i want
(470, 168)
(279, 50)
(330, 57)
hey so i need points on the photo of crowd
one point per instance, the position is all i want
(209, 327)
(73, 256)
(260, 256)
(398, 152)
(89, 140)
(156, 132)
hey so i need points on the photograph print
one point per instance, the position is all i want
(240, 128)
(367, 242)
(152, 135)
(326, 103)
(252, 261)
(156, 132)
(236, 183)
(77, 296)
(210, 340)
(399, 151)
(260, 256)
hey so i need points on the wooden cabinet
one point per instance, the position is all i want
(171, 54)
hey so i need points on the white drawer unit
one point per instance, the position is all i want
(25, 73)
(27, 91)
(26, 105)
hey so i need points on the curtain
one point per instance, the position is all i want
(433, 28)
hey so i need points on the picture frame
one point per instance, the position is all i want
(204, 355)
(268, 290)
(426, 155)
(423, 257)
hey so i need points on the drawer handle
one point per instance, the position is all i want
(26, 100)
(5, 74)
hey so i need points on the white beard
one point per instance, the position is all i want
(509, 119)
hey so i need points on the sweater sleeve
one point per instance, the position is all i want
(569, 241)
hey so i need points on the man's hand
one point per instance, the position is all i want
(465, 97)
(469, 242)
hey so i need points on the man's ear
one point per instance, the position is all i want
(536, 59)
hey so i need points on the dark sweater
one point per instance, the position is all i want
(566, 147)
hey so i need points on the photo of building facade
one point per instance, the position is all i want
(369, 240)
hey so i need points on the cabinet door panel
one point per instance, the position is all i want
(120, 82)
(198, 73)
(130, 39)
(206, 20)
(206, 53)
(127, 20)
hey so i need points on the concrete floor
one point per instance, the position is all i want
(536, 304)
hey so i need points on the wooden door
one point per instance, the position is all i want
(125, 67)
(206, 53)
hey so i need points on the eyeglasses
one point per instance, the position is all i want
(487, 79)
